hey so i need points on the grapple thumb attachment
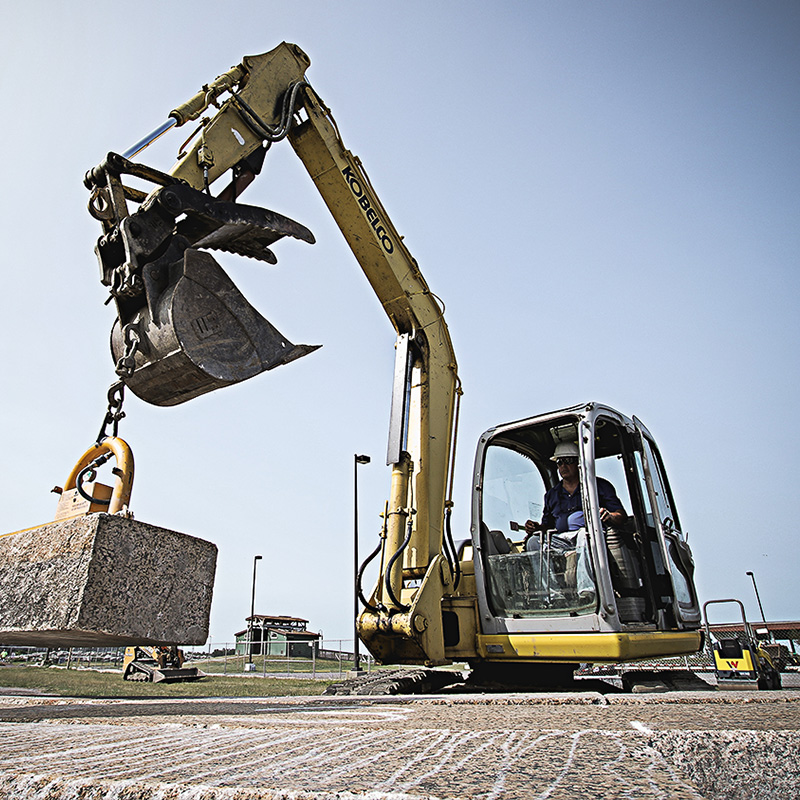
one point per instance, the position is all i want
(199, 335)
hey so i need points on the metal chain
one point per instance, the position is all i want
(131, 338)
(114, 412)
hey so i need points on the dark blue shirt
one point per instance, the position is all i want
(559, 504)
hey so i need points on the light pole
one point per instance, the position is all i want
(357, 459)
(256, 559)
(760, 607)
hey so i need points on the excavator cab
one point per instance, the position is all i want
(621, 591)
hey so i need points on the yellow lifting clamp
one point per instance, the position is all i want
(76, 502)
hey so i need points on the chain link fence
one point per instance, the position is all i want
(333, 658)
(328, 659)
(70, 658)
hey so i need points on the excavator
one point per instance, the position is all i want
(522, 604)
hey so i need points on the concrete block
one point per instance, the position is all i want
(104, 580)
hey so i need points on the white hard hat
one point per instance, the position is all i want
(565, 450)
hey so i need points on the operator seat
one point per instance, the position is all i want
(495, 542)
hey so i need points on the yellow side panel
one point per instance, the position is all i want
(130, 655)
(579, 647)
(743, 664)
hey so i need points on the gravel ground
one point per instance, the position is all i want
(674, 745)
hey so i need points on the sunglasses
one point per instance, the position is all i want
(566, 460)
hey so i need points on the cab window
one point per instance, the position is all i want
(550, 575)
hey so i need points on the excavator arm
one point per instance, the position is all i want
(400, 624)
(268, 100)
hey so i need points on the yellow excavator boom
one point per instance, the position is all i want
(401, 624)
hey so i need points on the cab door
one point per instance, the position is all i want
(674, 548)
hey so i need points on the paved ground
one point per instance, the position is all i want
(674, 745)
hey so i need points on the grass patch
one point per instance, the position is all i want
(90, 683)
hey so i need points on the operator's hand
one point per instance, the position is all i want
(531, 526)
(607, 516)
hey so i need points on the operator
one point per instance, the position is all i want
(563, 503)
(563, 511)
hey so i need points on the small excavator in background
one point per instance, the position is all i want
(519, 615)
(157, 665)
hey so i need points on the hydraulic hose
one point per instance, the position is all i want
(387, 576)
(360, 577)
(451, 548)
(79, 480)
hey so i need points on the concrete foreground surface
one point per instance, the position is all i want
(675, 745)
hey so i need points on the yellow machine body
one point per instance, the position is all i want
(740, 662)
(437, 599)
(743, 664)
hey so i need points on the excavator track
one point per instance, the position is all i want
(133, 675)
(396, 681)
(429, 681)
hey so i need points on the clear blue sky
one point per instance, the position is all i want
(605, 195)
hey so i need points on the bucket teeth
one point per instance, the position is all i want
(241, 240)
(213, 224)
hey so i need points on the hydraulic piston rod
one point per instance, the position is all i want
(150, 138)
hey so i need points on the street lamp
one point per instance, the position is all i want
(760, 607)
(256, 559)
(357, 459)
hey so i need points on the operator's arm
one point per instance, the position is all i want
(548, 517)
(611, 509)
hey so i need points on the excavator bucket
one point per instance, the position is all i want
(199, 335)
